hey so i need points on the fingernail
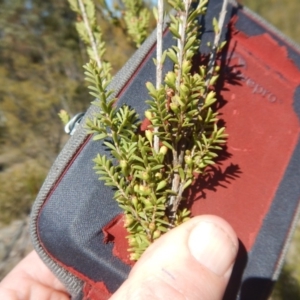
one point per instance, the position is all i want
(213, 247)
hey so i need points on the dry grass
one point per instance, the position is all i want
(20, 184)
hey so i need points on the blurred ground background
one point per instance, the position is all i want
(41, 62)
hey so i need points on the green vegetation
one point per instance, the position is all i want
(154, 168)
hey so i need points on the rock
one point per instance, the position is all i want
(15, 244)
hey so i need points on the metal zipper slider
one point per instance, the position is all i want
(72, 125)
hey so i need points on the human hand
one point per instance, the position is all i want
(192, 261)
(32, 280)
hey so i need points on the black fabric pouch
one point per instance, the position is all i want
(76, 226)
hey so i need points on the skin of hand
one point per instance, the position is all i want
(192, 261)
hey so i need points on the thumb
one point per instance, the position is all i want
(192, 261)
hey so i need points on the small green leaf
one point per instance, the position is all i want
(172, 55)
(181, 174)
(187, 183)
(175, 32)
(215, 25)
(100, 136)
(152, 90)
(161, 185)
(167, 145)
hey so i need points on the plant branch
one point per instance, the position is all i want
(213, 54)
(114, 181)
(159, 37)
(90, 33)
(179, 153)
(181, 42)
(159, 62)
